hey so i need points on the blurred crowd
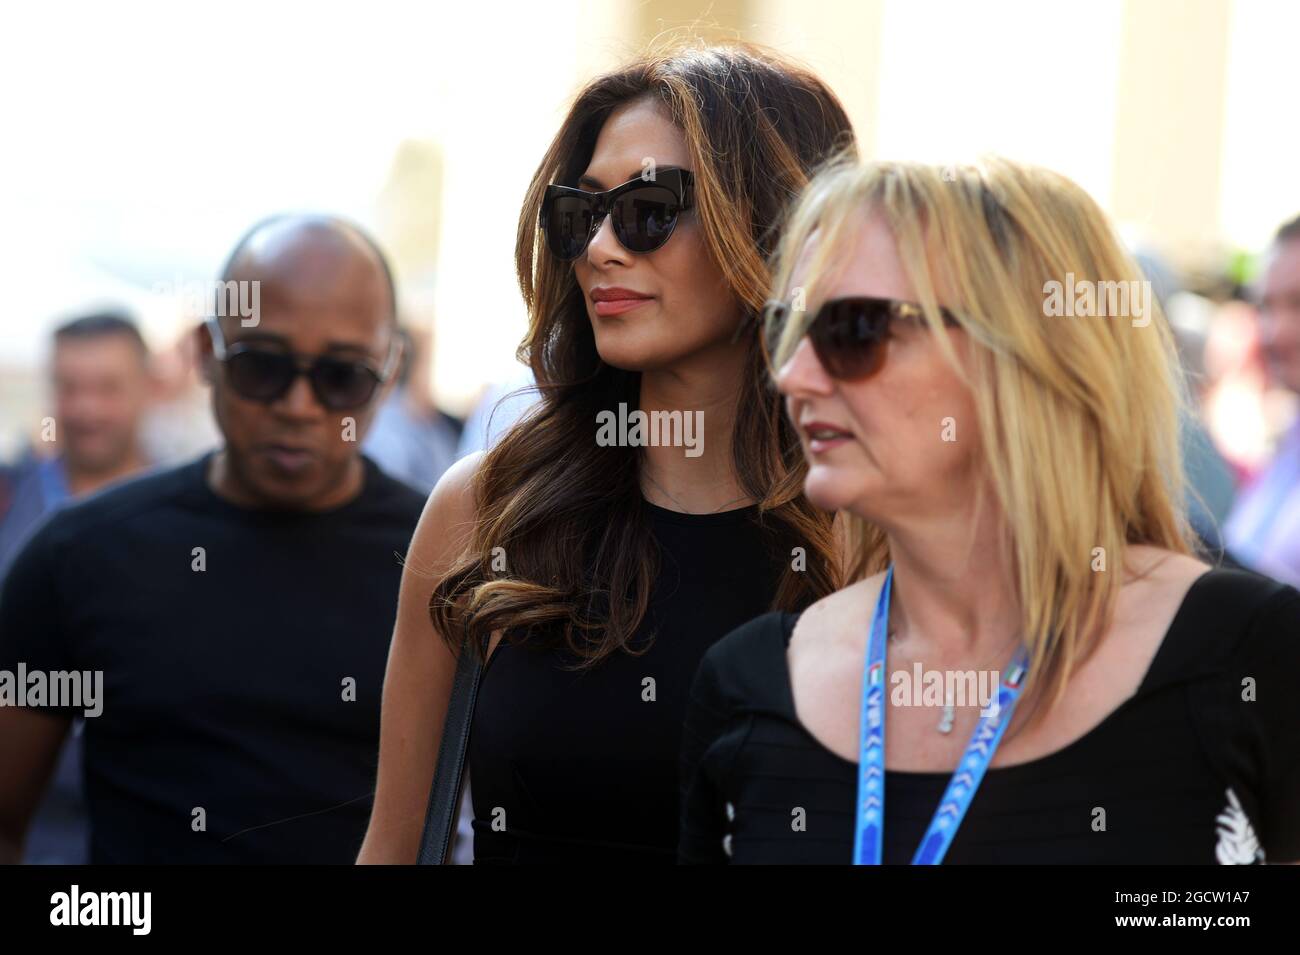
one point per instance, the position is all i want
(116, 412)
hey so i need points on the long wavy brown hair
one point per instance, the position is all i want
(566, 514)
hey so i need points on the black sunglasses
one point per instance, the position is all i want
(266, 375)
(644, 213)
(847, 334)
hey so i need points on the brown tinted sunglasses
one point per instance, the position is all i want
(848, 335)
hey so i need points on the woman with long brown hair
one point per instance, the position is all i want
(652, 499)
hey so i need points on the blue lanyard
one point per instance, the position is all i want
(869, 832)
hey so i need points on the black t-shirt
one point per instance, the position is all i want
(249, 689)
(1186, 771)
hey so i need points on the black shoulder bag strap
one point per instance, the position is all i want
(444, 796)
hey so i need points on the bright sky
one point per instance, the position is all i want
(142, 138)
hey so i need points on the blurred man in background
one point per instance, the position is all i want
(238, 608)
(412, 438)
(100, 380)
(101, 386)
(1263, 531)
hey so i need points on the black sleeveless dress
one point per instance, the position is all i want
(581, 766)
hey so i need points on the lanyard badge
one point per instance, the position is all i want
(965, 781)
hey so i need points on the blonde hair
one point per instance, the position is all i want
(1078, 416)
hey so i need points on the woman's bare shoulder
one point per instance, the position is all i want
(1164, 567)
(1156, 582)
(836, 616)
(447, 522)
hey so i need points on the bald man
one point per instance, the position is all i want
(224, 626)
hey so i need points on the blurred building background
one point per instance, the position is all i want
(143, 138)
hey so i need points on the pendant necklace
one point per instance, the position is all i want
(948, 715)
(684, 508)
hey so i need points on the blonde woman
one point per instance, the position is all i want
(1009, 469)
